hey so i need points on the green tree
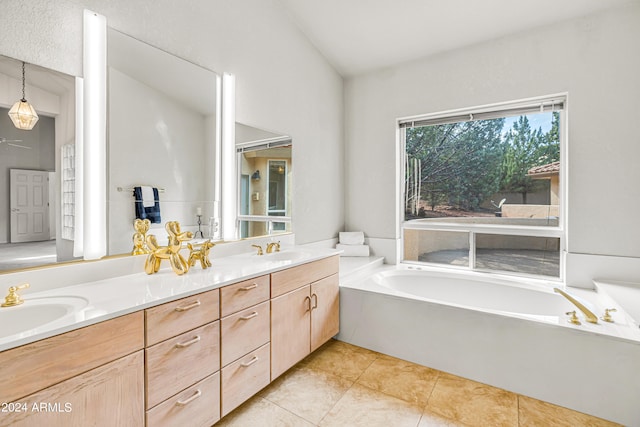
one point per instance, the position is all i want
(525, 148)
(460, 162)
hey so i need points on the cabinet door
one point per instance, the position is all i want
(290, 329)
(111, 395)
(325, 310)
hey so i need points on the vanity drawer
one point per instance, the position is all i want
(175, 317)
(244, 294)
(197, 406)
(244, 378)
(292, 278)
(179, 362)
(46, 362)
(244, 331)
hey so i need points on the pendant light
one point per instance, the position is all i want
(22, 114)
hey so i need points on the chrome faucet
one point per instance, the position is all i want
(589, 316)
(271, 246)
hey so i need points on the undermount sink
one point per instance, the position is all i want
(37, 312)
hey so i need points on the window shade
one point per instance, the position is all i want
(485, 114)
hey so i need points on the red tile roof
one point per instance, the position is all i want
(545, 170)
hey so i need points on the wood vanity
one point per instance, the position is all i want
(190, 361)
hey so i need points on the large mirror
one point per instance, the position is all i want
(163, 133)
(37, 211)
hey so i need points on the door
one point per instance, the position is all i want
(290, 330)
(29, 194)
(325, 310)
(244, 204)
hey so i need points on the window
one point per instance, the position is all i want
(482, 188)
(264, 188)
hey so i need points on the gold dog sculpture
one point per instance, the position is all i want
(171, 252)
(200, 253)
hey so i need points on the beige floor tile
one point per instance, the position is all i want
(399, 378)
(341, 359)
(535, 412)
(259, 412)
(473, 403)
(429, 419)
(361, 406)
(307, 393)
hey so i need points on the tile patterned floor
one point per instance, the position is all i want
(343, 385)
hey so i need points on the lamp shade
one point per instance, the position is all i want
(23, 115)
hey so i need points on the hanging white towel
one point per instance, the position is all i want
(353, 250)
(351, 237)
(148, 200)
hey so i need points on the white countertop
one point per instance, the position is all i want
(113, 297)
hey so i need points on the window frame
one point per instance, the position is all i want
(559, 231)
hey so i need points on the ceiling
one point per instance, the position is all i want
(357, 36)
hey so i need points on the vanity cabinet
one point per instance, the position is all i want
(304, 311)
(245, 337)
(185, 362)
(89, 376)
(182, 361)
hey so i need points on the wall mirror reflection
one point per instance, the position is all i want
(36, 167)
(265, 181)
(163, 133)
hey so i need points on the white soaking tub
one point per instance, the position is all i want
(509, 333)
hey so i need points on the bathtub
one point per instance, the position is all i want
(508, 333)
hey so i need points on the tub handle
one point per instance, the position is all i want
(307, 301)
(315, 301)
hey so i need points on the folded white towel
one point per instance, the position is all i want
(147, 196)
(353, 250)
(351, 237)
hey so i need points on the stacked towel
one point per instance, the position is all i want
(352, 243)
(147, 203)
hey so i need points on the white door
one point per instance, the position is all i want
(29, 205)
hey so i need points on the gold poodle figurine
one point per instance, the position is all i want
(171, 252)
(200, 253)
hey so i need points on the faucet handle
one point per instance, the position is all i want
(607, 315)
(573, 318)
(259, 249)
(13, 298)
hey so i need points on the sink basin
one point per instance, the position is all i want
(37, 312)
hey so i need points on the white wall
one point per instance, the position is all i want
(283, 83)
(595, 59)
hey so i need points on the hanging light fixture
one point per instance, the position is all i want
(22, 114)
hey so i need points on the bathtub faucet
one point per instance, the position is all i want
(589, 316)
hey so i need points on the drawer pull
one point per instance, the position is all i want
(253, 360)
(188, 343)
(307, 302)
(250, 316)
(249, 287)
(196, 395)
(189, 306)
(314, 297)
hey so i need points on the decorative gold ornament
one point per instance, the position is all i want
(200, 253)
(171, 252)
(140, 237)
